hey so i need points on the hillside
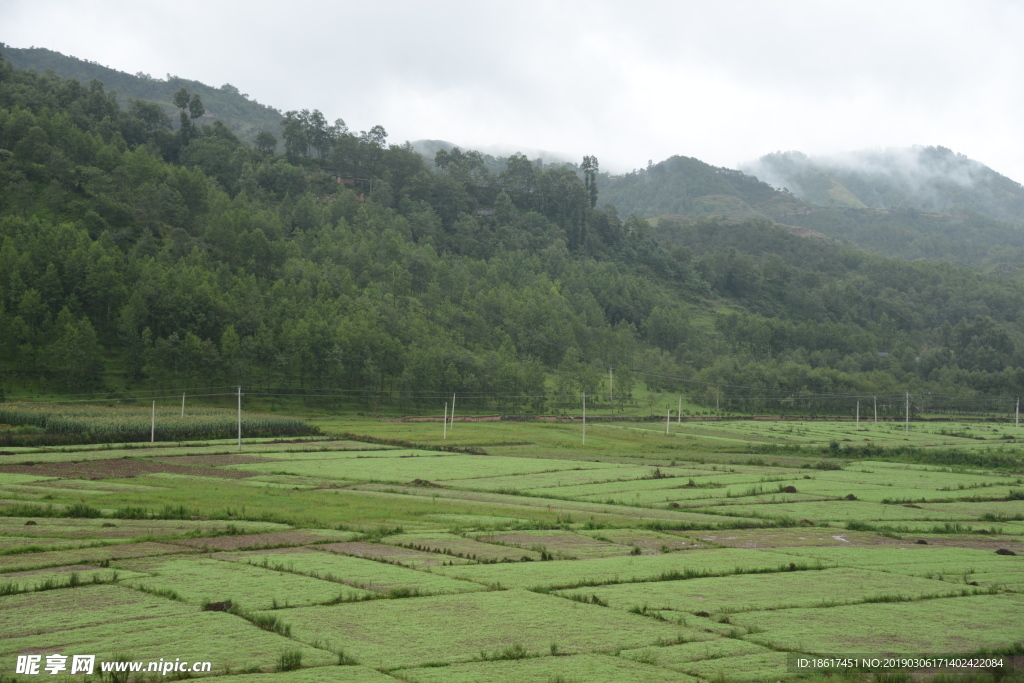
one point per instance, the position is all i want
(241, 115)
(926, 179)
(682, 187)
(689, 187)
(137, 257)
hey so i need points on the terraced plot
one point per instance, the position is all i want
(677, 656)
(432, 467)
(417, 631)
(945, 625)
(82, 574)
(748, 592)
(269, 540)
(365, 574)
(614, 475)
(198, 580)
(788, 538)
(56, 558)
(646, 539)
(755, 667)
(394, 554)
(572, 573)
(46, 527)
(92, 619)
(461, 547)
(561, 544)
(920, 558)
(593, 668)
(840, 511)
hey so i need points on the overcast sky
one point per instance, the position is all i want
(723, 81)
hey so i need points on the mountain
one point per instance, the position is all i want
(493, 154)
(926, 179)
(684, 186)
(134, 257)
(893, 213)
(241, 115)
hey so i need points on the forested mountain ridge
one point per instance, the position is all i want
(689, 188)
(133, 255)
(242, 116)
(927, 179)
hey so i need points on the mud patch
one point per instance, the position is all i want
(387, 553)
(121, 469)
(218, 460)
(269, 540)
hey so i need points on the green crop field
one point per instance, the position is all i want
(365, 574)
(708, 554)
(749, 592)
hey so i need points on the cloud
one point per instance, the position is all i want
(725, 82)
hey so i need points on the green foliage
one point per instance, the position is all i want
(290, 660)
(350, 272)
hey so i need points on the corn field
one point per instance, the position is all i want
(23, 424)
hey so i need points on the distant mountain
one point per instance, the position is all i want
(928, 204)
(243, 116)
(429, 148)
(688, 187)
(927, 179)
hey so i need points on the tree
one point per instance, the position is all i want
(266, 143)
(590, 170)
(296, 140)
(319, 132)
(195, 107)
(181, 98)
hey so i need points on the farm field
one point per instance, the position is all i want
(517, 554)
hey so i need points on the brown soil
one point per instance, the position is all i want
(119, 469)
(88, 555)
(209, 460)
(252, 540)
(374, 551)
(790, 538)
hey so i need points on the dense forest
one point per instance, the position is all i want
(981, 222)
(235, 109)
(140, 250)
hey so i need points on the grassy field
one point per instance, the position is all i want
(511, 551)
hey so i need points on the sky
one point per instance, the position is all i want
(724, 81)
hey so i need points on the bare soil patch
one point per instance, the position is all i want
(785, 538)
(218, 460)
(120, 469)
(562, 545)
(275, 538)
(57, 558)
(390, 553)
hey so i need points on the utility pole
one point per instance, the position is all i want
(610, 378)
(679, 412)
(906, 428)
(584, 418)
(183, 404)
(876, 409)
(239, 418)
